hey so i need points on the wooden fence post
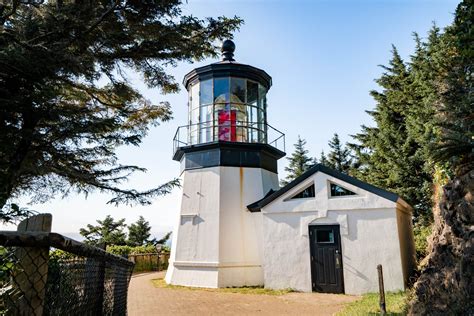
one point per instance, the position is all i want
(383, 309)
(33, 263)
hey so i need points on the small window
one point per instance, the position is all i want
(337, 190)
(325, 236)
(306, 193)
(237, 90)
(206, 92)
(221, 90)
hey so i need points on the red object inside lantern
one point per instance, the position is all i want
(227, 125)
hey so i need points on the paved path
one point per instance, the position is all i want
(145, 299)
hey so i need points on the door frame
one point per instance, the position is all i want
(311, 228)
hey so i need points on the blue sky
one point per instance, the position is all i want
(322, 56)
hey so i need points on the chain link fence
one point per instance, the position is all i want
(70, 279)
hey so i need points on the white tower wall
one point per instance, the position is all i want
(218, 242)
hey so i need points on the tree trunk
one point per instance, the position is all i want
(445, 286)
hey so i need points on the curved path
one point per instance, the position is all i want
(145, 299)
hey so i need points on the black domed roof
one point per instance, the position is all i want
(228, 68)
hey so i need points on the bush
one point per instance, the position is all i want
(124, 251)
(61, 285)
(58, 254)
(143, 249)
(421, 241)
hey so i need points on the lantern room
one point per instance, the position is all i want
(227, 103)
(227, 109)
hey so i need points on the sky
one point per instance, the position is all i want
(323, 57)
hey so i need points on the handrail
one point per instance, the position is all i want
(264, 130)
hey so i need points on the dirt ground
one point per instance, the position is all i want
(145, 299)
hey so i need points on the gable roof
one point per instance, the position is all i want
(273, 195)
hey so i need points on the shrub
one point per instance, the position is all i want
(421, 241)
(124, 251)
(143, 249)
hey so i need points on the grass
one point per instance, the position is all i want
(369, 305)
(160, 283)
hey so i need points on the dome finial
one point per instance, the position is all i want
(227, 49)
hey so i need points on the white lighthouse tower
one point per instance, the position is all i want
(228, 156)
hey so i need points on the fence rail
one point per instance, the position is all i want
(44, 273)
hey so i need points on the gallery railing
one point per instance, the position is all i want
(240, 132)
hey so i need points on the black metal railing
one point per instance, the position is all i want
(240, 132)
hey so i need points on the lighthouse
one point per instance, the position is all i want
(228, 155)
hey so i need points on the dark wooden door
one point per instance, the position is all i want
(326, 259)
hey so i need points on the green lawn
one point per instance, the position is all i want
(369, 305)
(160, 283)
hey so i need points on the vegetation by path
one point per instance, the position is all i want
(396, 304)
(160, 283)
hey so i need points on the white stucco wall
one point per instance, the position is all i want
(369, 236)
(218, 242)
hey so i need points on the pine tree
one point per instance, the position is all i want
(139, 232)
(66, 99)
(323, 159)
(299, 162)
(450, 253)
(339, 157)
(389, 154)
(108, 232)
(455, 118)
(163, 240)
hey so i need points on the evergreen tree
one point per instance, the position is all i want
(163, 239)
(389, 154)
(67, 102)
(323, 159)
(139, 232)
(108, 232)
(455, 117)
(339, 157)
(450, 252)
(423, 117)
(300, 162)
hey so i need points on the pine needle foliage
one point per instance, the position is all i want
(66, 99)
(299, 162)
(139, 232)
(455, 117)
(107, 232)
(339, 156)
(394, 154)
(423, 116)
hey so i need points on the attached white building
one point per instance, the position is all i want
(324, 232)
(327, 232)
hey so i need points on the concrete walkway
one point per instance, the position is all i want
(145, 299)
